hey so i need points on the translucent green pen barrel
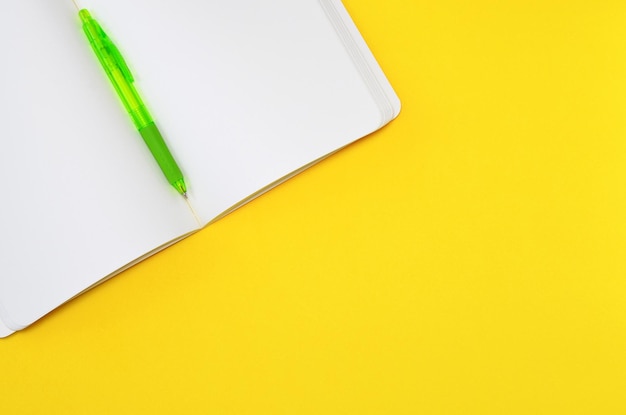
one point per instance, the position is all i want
(116, 69)
(122, 80)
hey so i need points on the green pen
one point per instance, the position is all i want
(122, 80)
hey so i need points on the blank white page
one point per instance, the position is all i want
(248, 90)
(81, 195)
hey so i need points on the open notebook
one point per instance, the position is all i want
(246, 93)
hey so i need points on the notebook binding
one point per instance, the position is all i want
(356, 53)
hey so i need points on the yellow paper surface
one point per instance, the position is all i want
(467, 259)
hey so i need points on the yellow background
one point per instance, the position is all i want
(469, 258)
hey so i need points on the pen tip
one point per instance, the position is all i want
(180, 187)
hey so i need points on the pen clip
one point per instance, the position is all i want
(117, 56)
(119, 60)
